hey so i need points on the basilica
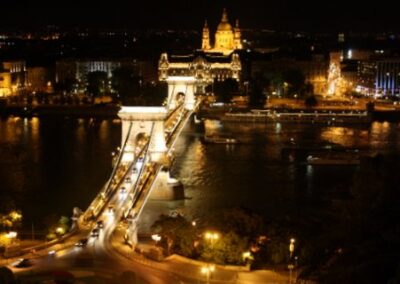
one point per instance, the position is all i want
(208, 64)
(227, 39)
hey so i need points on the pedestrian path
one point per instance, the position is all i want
(192, 269)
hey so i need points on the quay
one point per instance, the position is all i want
(299, 117)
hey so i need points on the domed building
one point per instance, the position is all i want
(227, 39)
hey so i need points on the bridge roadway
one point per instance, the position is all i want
(97, 258)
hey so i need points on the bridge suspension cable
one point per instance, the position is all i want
(106, 189)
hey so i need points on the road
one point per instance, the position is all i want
(97, 258)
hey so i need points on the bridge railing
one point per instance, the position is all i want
(97, 205)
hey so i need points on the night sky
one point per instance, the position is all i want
(189, 14)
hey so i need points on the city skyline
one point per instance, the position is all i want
(278, 15)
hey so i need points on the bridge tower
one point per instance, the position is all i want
(143, 121)
(181, 85)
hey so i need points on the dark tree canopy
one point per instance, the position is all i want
(97, 83)
(257, 86)
(127, 85)
(225, 90)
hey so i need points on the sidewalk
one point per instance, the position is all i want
(188, 268)
(42, 249)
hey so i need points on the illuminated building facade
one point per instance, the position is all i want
(12, 77)
(204, 67)
(212, 63)
(380, 77)
(39, 79)
(227, 39)
(73, 69)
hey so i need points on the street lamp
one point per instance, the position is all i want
(60, 231)
(212, 237)
(207, 270)
(11, 236)
(156, 238)
(291, 266)
(291, 247)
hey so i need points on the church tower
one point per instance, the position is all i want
(224, 34)
(205, 44)
(237, 36)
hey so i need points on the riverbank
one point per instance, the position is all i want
(106, 111)
(298, 116)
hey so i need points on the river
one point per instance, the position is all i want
(50, 165)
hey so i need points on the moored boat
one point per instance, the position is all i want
(216, 139)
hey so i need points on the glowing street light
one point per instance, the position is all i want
(60, 230)
(212, 237)
(11, 235)
(291, 266)
(246, 255)
(291, 246)
(156, 238)
(207, 270)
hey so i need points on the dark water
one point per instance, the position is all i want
(49, 165)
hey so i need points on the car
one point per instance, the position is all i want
(22, 262)
(128, 180)
(95, 232)
(52, 252)
(100, 224)
(111, 208)
(82, 243)
(122, 191)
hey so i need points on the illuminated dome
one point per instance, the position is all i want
(224, 25)
(227, 39)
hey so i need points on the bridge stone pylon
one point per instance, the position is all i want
(148, 121)
(184, 85)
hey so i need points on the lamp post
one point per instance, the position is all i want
(156, 238)
(291, 247)
(247, 257)
(207, 270)
(212, 237)
(12, 236)
(291, 266)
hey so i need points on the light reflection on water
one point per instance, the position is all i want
(50, 165)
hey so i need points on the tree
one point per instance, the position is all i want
(225, 89)
(177, 234)
(6, 275)
(295, 80)
(11, 220)
(67, 85)
(228, 249)
(97, 82)
(241, 221)
(56, 226)
(127, 85)
(257, 97)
